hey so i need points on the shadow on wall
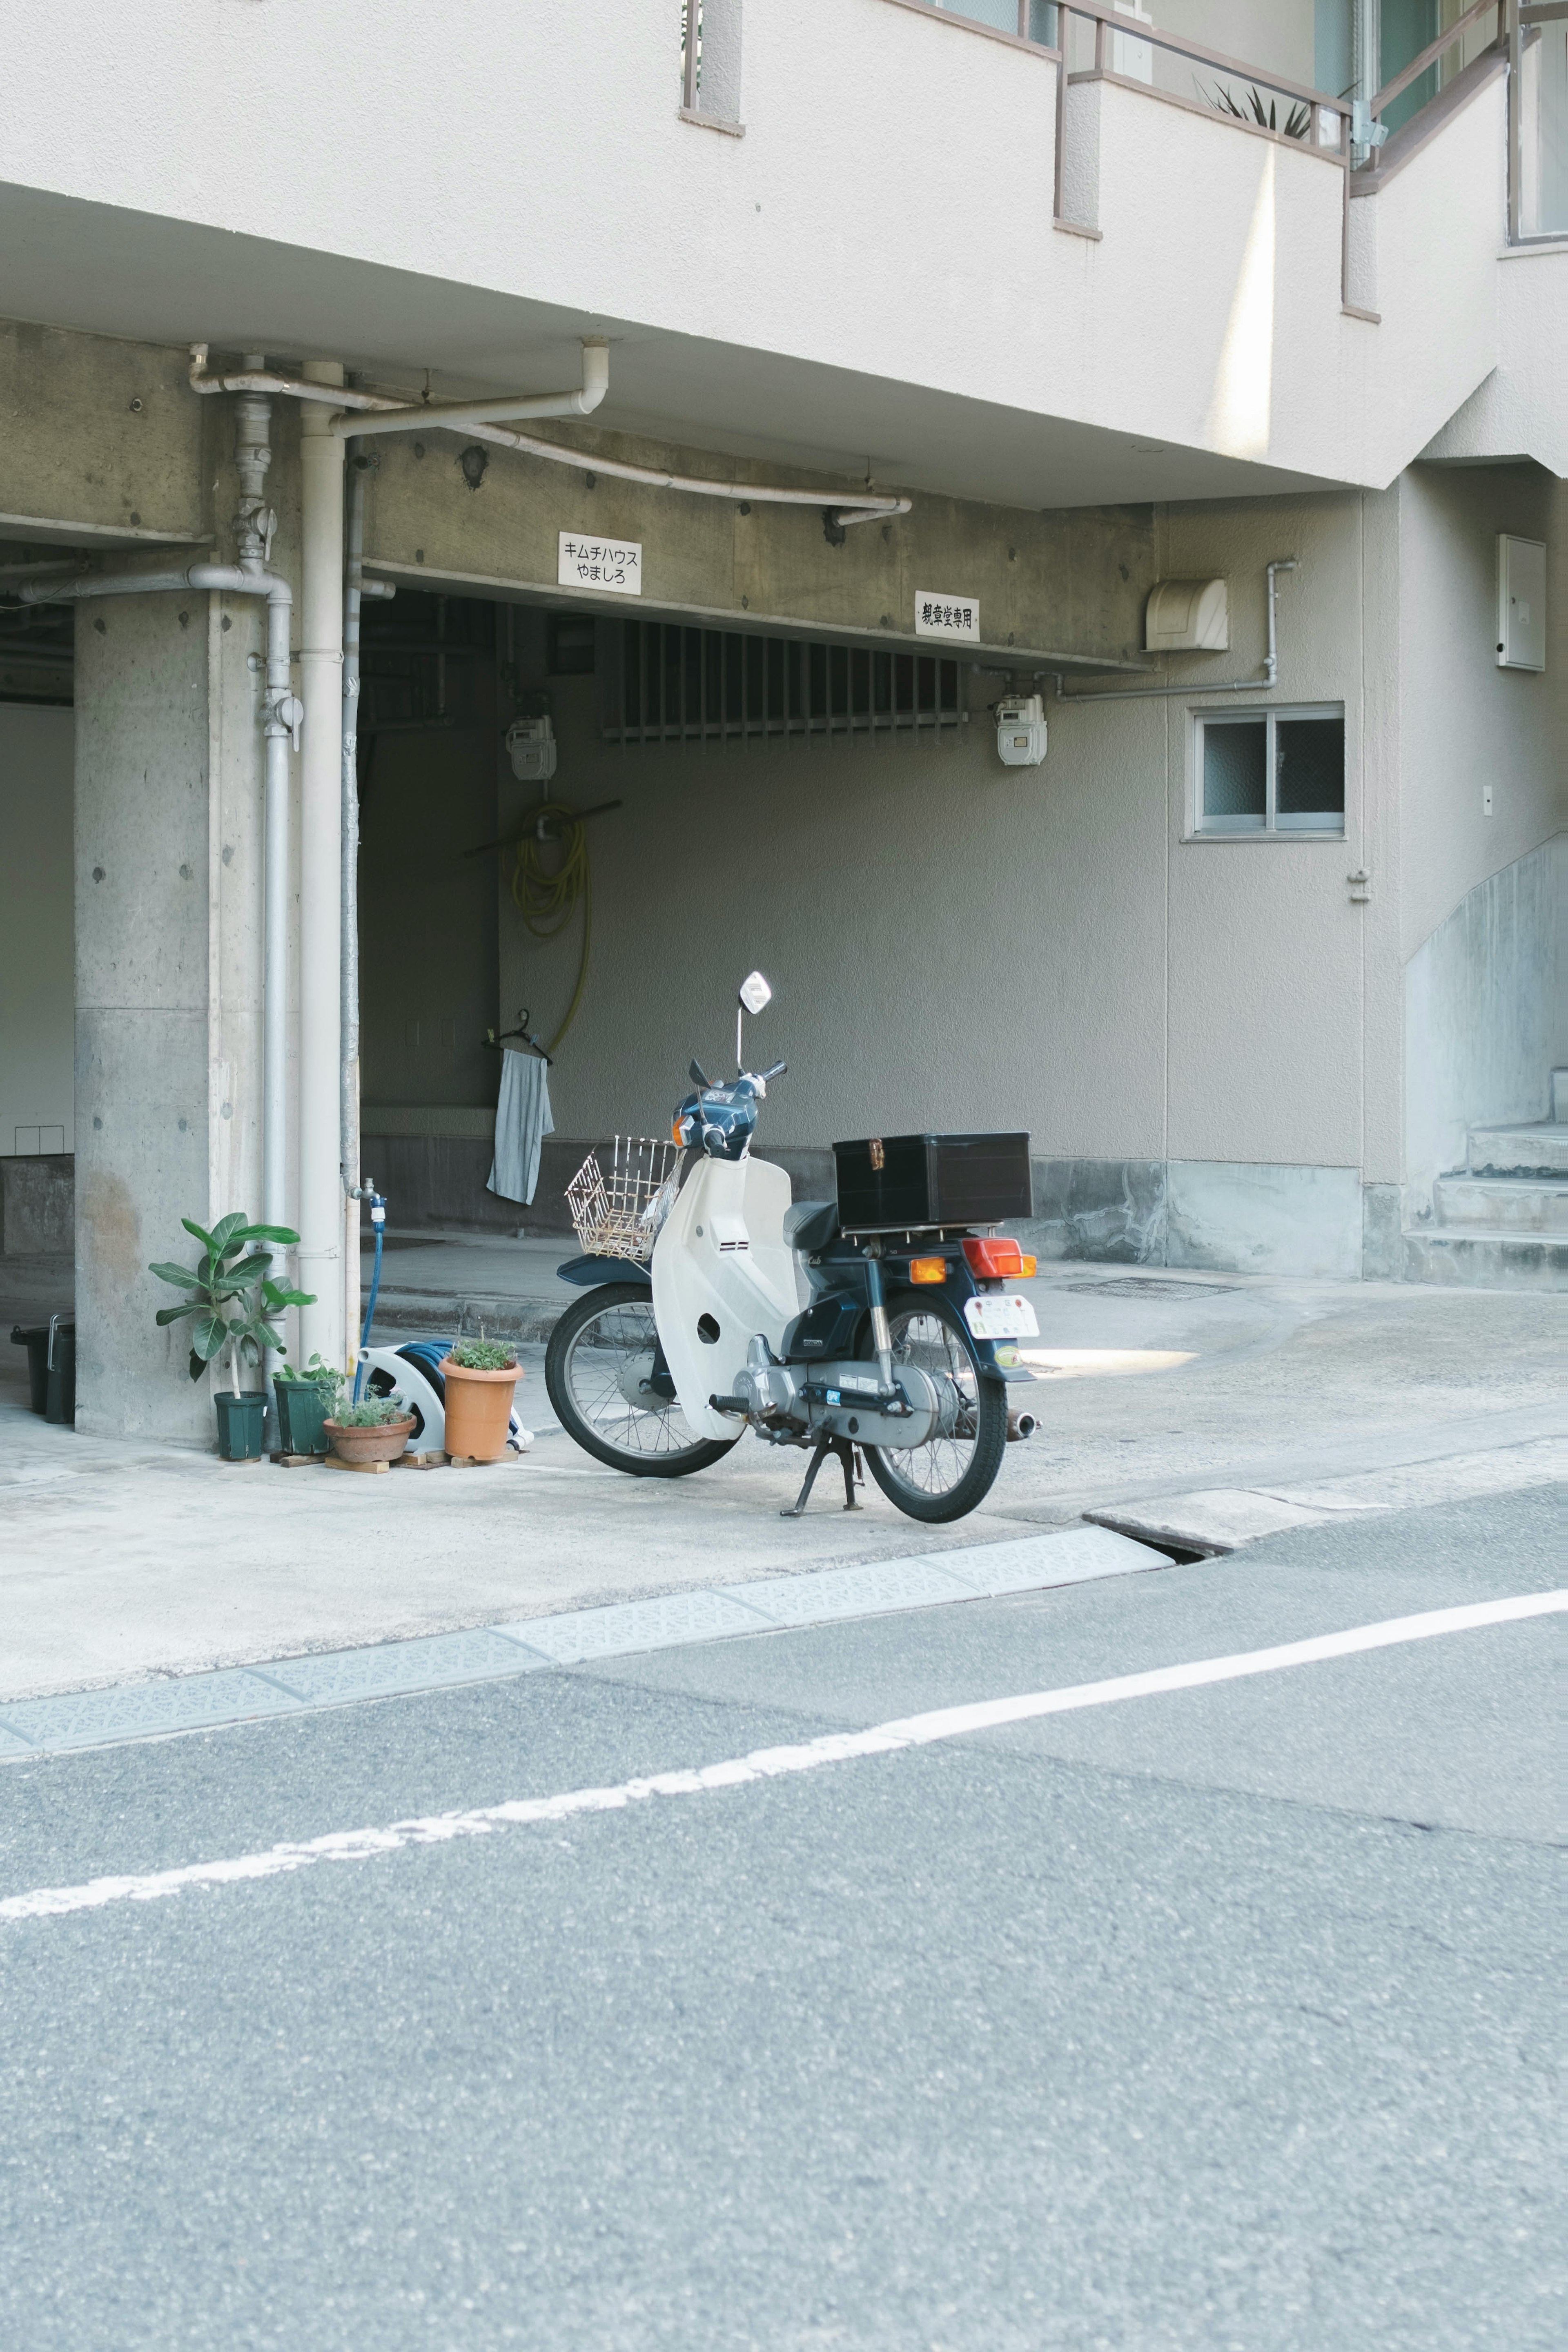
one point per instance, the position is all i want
(1485, 1019)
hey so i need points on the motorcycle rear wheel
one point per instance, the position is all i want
(599, 1339)
(951, 1475)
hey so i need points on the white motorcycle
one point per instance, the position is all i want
(878, 1328)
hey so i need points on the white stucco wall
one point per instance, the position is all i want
(959, 945)
(37, 995)
(1465, 722)
(722, 264)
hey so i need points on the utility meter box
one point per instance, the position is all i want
(1520, 603)
(1188, 616)
(1021, 731)
(531, 747)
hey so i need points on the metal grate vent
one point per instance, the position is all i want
(1139, 1286)
(682, 685)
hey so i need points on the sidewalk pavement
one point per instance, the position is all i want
(1202, 1410)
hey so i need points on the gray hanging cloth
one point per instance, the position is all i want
(522, 1122)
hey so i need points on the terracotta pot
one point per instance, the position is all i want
(383, 1443)
(479, 1410)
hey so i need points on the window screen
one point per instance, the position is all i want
(1235, 775)
(1309, 774)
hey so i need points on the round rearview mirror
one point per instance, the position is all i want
(755, 992)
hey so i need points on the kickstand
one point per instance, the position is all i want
(848, 1457)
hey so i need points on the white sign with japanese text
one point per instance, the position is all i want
(941, 615)
(612, 563)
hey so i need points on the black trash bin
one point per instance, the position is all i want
(51, 1370)
(60, 1399)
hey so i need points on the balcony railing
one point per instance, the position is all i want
(1097, 40)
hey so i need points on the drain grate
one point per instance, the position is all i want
(1140, 1286)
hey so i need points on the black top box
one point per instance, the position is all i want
(897, 1183)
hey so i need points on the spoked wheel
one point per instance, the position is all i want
(957, 1468)
(608, 1385)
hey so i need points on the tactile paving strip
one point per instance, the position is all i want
(425, 1664)
(826, 1594)
(142, 1710)
(661, 1625)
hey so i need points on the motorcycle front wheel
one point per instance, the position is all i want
(598, 1371)
(956, 1471)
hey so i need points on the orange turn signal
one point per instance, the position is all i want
(1027, 1265)
(928, 1269)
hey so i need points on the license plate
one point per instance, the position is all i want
(1001, 1315)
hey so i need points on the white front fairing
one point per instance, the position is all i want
(722, 1254)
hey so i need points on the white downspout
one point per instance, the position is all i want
(348, 1094)
(321, 1218)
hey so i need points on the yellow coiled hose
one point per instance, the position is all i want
(547, 901)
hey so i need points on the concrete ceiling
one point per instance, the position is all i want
(145, 278)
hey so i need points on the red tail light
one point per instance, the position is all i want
(998, 1259)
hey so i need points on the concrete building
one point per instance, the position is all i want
(763, 412)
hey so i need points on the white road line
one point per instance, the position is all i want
(771, 1763)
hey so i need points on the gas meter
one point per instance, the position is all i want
(531, 747)
(1021, 731)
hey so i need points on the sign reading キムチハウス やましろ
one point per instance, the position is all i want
(941, 615)
(612, 563)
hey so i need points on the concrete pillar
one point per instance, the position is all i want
(321, 1223)
(142, 1081)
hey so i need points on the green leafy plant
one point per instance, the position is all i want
(374, 1413)
(484, 1356)
(232, 1298)
(315, 1374)
(1264, 113)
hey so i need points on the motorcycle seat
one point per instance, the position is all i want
(810, 1226)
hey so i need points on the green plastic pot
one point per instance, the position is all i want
(241, 1425)
(302, 1409)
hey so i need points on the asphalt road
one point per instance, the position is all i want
(1222, 2019)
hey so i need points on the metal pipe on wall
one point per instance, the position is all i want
(359, 468)
(1200, 685)
(321, 1219)
(405, 416)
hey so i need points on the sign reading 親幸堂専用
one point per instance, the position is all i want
(612, 564)
(937, 615)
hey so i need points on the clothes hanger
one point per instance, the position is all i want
(497, 1039)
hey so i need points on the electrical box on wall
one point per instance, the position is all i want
(1188, 616)
(1021, 731)
(1520, 603)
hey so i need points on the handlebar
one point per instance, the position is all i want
(777, 1071)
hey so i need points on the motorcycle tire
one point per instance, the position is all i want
(624, 1311)
(950, 1477)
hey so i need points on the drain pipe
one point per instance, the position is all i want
(1194, 686)
(405, 416)
(321, 1214)
(354, 588)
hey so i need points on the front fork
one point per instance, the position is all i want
(881, 1337)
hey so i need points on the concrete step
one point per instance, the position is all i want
(1560, 1094)
(1486, 1261)
(1537, 1149)
(1506, 1204)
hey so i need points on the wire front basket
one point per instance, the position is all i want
(620, 1214)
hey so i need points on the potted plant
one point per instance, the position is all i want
(480, 1377)
(376, 1430)
(234, 1303)
(306, 1397)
